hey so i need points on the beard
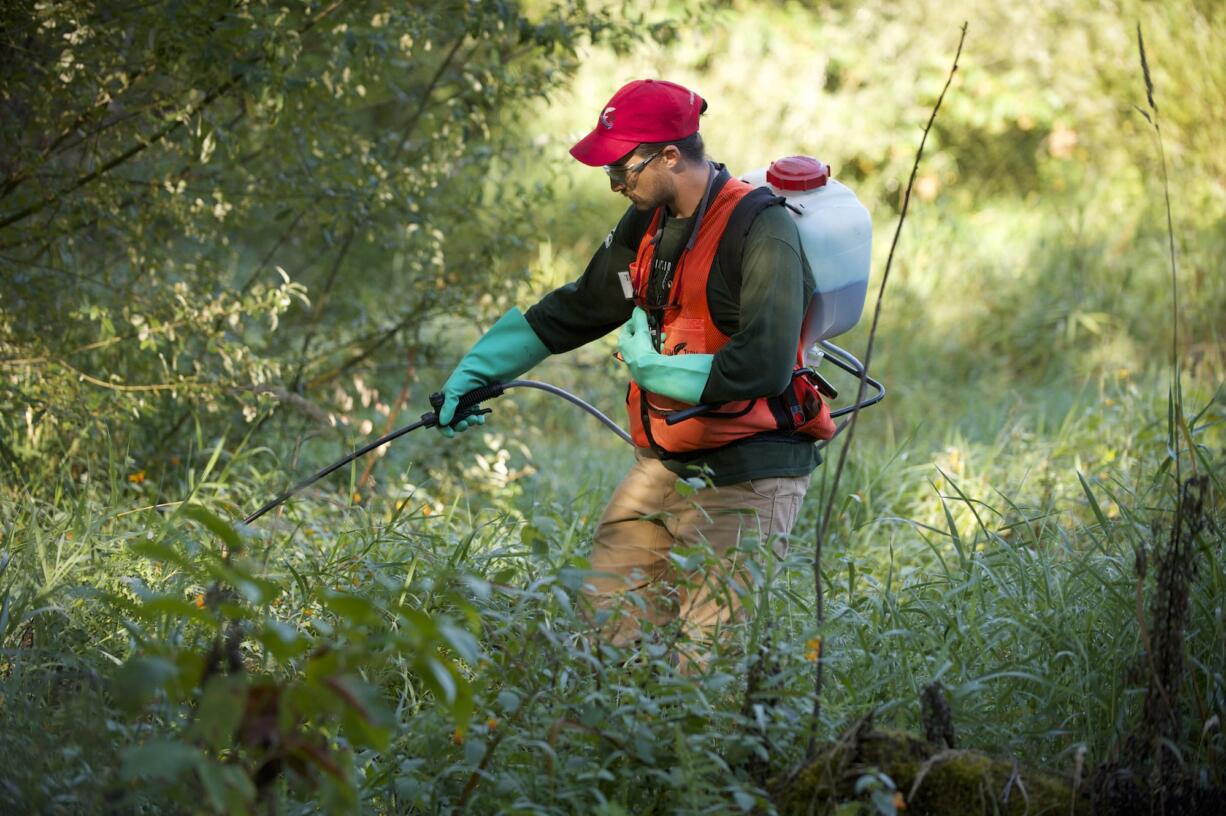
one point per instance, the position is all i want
(651, 192)
(644, 200)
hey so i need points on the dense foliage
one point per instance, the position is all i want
(214, 206)
(237, 237)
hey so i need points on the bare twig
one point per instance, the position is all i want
(17, 177)
(135, 150)
(185, 385)
(372, 344)
(479, 771)
(406, 132)
(319, 304)
(828, 511)
(273, 250)
(295, 400)
(929, 764)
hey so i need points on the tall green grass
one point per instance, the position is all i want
(1020, 600)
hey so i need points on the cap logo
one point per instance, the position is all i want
(606, 117)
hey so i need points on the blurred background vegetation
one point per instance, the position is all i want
(238, 238)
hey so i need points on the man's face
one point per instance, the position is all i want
(643, 178)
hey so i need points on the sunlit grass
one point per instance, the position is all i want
(1019, 599)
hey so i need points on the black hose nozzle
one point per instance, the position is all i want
(468, 403)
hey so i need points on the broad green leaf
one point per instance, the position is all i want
(282, 640)
(462, 641)
(162, 760)
(221, 710)
(216, 526)
(229, 789)
(161, 606)
(159, 550)
(138, 680)
(367, 721)
(354, 609)
(438, 677)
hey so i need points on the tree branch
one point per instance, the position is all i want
(406, 132)
(142, 145)
(133, 389)
(131, 152)
(379, 340)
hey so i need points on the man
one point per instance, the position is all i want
(697, 327)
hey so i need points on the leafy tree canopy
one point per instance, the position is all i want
(177, 177)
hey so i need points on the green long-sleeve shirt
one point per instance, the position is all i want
(761, 312)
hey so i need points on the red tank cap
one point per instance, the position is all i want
(797, 173)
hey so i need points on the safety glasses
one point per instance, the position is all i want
(620, 173)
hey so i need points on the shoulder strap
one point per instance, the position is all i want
(732, 244)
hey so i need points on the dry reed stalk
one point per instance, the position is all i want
(828, 511)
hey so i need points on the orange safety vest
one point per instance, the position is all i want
(689, 329)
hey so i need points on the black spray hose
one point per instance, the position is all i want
(468, 406)
(365, 449)
(571, 398)
(839, 357)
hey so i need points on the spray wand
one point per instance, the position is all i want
(470, 405)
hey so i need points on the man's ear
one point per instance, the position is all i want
(672, 157)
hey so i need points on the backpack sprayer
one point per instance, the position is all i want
(836, 238)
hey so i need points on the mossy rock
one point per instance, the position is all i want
(932, 781)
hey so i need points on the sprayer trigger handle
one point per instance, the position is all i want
(467, 404)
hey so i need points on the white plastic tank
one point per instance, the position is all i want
(836, 234)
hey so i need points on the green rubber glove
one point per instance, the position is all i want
(678, 376)
(504, 352)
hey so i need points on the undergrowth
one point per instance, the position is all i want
(422, 651)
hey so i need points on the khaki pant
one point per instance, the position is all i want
(663, 557)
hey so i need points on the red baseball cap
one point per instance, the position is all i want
(645, 110)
